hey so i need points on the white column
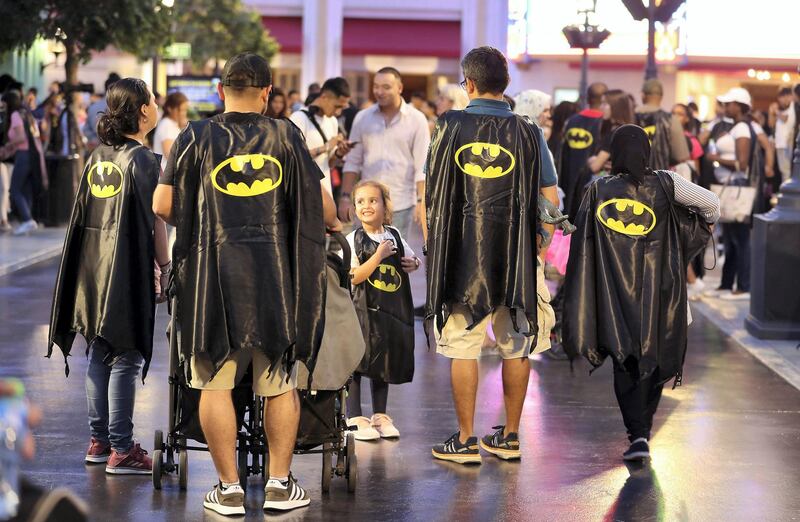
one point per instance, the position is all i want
(322, 41)
(484, 22)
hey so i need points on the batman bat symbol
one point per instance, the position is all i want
(247, 175)
(579, 138)
(650, 130)
(484, 160)
(386, 278)
(626, 216)
(105, 179)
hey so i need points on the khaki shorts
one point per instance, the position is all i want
(233, 370)
(456, 342)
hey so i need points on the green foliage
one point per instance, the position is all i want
(219, 29)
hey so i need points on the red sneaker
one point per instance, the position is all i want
(135, 462)
(98, 451)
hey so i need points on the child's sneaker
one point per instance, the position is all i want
(135, 462)
(98, 451)
(638, 450)
(454, 451)
(225, 501)
(364, 429)
(506, 448)
(384, 426)
(283, 496)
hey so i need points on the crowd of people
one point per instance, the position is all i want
(470, 171)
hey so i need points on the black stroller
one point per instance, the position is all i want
(322, 415)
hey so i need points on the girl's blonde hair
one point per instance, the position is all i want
(387, 200)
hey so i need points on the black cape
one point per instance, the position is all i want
(249, 255)
(105, 284)
(581, 140)
(657, 125)
(625, 290)
(385, 311)
(481, 196)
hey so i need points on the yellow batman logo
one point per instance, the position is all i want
(627, 216)
(579, 138)
(247, 175)
(484, 160)
(105, 179)
(386, 278)
(650, 130)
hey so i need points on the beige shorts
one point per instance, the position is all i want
(456, 342)
(233, 370)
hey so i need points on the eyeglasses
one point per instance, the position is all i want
(463, 84)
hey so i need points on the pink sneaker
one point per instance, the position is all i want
(135, 462)
(98, 451)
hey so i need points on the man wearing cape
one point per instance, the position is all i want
(581, 140)
(249, 272)
(483, 183)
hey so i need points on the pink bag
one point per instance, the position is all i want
(558, 253)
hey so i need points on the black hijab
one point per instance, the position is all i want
(630, 152)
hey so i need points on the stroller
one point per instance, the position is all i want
(323, 428)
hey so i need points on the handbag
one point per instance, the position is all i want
(736, 200)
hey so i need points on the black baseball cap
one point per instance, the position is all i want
(247, 70)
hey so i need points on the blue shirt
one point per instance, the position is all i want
(485, 107)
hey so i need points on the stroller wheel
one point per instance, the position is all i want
(158, 440)
(327, 466)
(352, 463)
(243, 471)
(183, 469)
(157, 465)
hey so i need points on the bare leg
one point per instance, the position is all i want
(281, 417)
(516, 373)
(690, 276)
(218, 419)
(464, 381)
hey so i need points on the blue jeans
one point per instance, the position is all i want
(402, 221)
(111, 392)
(22, 185)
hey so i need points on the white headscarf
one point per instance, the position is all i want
(532, 103)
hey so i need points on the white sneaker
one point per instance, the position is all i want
(716, 292)
(383, 424)
(695, 290)
(27, 226)
(364, 430)
(736, 296)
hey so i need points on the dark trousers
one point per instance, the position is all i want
(380, 396)
(22, 185)
(638, 401)
(736, 238)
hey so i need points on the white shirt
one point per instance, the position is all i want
(167, 129)
(387, 235)
(393, 154)
(726, 147)
(330, 126)
(784, 129)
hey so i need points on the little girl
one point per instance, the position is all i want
(379, 266)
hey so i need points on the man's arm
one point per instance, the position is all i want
(769, 154)
(419, 151)
(162, 203)
(332, 223)
(551, 194)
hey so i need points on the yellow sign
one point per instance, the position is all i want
(626, 216)
(386, 278)
(105, 179)
(484, 160)
(247, 175)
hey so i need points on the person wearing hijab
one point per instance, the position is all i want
(625, 289)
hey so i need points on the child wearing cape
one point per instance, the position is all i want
(380, 264)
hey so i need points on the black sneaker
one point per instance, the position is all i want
(639, 450)
(506, 448)
(228, 501)
(283, 496)
(453, 451)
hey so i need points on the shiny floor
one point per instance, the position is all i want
(726, 444)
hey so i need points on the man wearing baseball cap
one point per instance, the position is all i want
(249, 272)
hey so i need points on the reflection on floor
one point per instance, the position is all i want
(726, 445)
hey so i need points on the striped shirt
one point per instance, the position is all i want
(691, 195)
